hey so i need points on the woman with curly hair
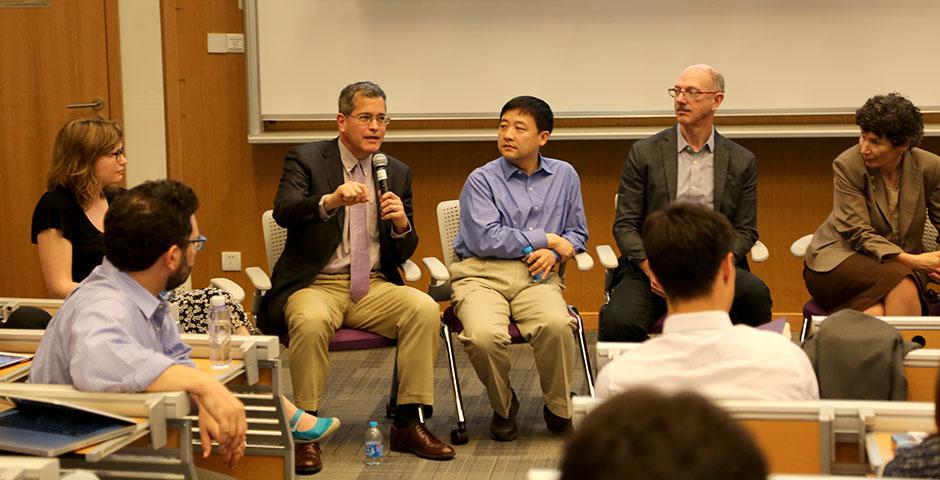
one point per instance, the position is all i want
(869, 254)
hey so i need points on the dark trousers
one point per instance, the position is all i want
(633, 307)
(28, 317)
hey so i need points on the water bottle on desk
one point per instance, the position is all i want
(220, 333)
(525, 258)
(374, 450)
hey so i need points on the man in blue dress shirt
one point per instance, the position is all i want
(521, 216)
(114, 332)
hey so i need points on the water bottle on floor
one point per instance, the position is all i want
(220, 333)
(374, 450)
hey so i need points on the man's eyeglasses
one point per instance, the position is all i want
(117, 154)
(199, 243)
(366, 119)
(692, 93)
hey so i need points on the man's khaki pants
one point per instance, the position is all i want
(486, 293)
(315, 312)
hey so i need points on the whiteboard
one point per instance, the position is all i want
(588, 58)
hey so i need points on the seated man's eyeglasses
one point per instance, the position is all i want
(366, 119)
(199, 243)
(689, 92)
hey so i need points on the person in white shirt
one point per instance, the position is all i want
(689, 248)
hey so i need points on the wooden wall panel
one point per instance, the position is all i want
(236, 181)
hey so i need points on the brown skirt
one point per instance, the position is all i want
(858, 283)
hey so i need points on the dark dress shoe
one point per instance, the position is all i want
(307, 458)
(504, 429)
(417, 439)
(554, 423)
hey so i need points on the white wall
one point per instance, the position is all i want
(142, 73)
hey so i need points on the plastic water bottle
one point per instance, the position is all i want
(220, 333)
(374, 450)
(525, 256)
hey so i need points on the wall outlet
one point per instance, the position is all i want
(231, 261)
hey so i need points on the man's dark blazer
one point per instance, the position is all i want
(311, 171)
(648, 182)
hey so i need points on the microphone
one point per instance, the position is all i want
(379, 163)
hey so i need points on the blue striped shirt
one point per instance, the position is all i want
(110, 335)
(503, 210)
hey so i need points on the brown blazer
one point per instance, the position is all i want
(859, 219)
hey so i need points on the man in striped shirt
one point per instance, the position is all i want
(114, 332)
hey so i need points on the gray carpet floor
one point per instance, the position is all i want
(358, 389)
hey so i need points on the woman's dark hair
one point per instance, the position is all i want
(644, 434)
(142, 224)
(893, 117)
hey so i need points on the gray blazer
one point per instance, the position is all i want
(648, 182)
(859, 219)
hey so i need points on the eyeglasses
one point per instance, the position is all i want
(692, 93)
(199, 243)
(117, 154)
(366, 119)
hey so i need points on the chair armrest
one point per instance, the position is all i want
(759, 252)
(584, 261)
(411, 271)
(258, 279)
(438, 271)
(607, 257)
(798, 248)
(229, 286)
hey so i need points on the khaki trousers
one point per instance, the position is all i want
(315, 312)
(486, 293)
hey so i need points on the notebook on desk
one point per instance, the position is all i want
(49, 428)
(8, 359)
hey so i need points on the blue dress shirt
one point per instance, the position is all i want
(503, 210)
(110, 335)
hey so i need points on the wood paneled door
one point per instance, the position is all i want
(51, 57)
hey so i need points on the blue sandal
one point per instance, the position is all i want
(322, 429)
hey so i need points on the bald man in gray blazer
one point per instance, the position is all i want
(690, 162)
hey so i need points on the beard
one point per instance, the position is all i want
(179, 275)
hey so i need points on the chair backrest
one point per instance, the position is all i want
(275, 236)
(930, 236)
(448, 224)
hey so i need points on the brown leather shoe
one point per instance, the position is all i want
(307, 458)
(417, 439)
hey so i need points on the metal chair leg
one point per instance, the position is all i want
(458, 436)
(585, 355)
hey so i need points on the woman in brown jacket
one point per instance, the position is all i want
(869, 254)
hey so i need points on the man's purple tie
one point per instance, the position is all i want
(359, 262)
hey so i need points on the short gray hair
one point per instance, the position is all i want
(347, 97)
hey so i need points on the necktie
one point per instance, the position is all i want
(359, 262)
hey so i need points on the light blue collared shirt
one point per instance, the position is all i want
(110, 335)
(695, 182)
(503, 210)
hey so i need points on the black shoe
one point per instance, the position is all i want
(504, 429)
(554, 423)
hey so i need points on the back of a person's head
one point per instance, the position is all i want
(646, 435)
(146, 221)
(685, 244)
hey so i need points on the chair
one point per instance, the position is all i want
(609, 260)
(811, 308)
(275, 237)
(448, 222)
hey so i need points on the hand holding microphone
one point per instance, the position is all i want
(393, 209)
